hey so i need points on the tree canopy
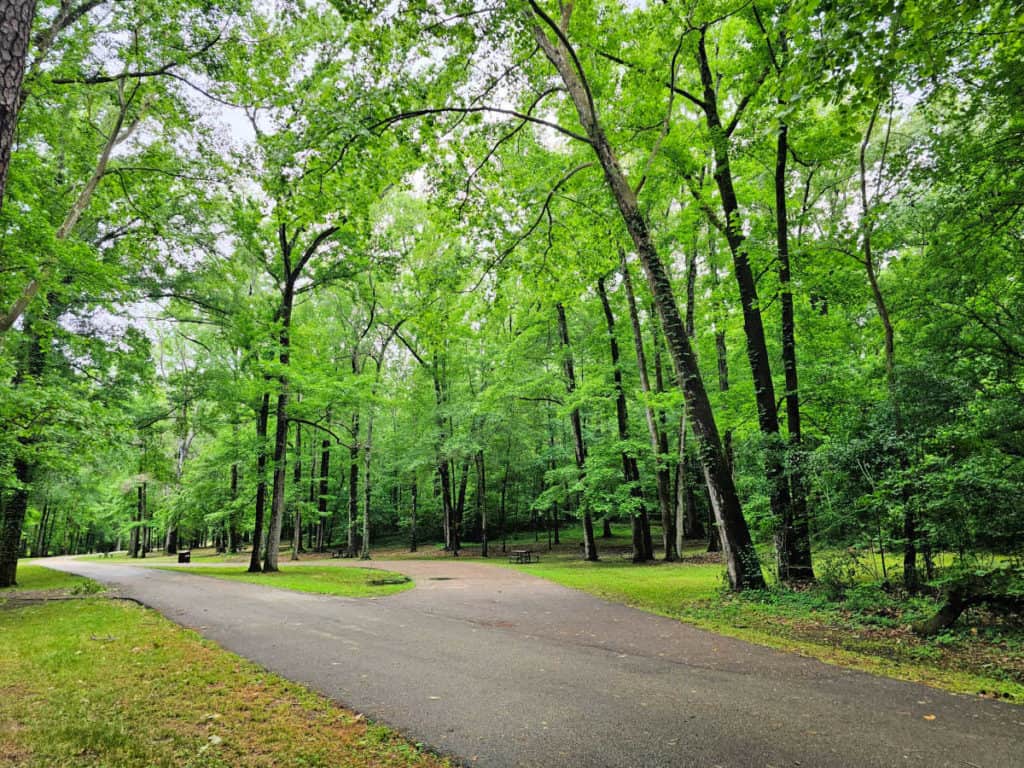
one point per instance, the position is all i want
(749, 272)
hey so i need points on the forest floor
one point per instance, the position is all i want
(856, 623)
(138, 690)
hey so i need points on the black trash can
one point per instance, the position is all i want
(185, 557)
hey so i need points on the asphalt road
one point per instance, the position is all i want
(498, 668)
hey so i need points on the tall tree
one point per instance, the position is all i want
(742, 562)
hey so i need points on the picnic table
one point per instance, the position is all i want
(523, 556)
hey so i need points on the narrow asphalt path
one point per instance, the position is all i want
(498, 668)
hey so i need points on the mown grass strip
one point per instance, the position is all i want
(322, 580)
(37, 578)
(93, 682)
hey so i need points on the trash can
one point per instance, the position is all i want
(185, 557)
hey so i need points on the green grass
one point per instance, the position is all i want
(156, 558)
(322, 580)
(38, 577)
(95, 683)
(660, 588)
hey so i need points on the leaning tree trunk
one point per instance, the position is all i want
(16, 17)
(579, 447)
(741, 558)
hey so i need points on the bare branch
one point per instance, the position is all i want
(636, 67)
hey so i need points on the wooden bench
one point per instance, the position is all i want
(523, 557)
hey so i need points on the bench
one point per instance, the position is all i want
(185, 556)
(523, 557)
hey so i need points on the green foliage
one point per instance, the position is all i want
(422, 333)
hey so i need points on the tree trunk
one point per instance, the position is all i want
(133, 534)
(911, 579)
(171, 540)
(659, 442)
(367, 453)
(325, 463)
(793, 533)
(481, 501)
(753, 326)
(233, 535)
(16, 17)
(501, 506)
(281, 430)
(579, 447)
(262, 423)
(296, 481)
(48, 535)
(353, 488)
(144, 530)
(312, 523)
(31, 365)
(37, 546)
(13, 520)
(741, 558)
(412, 520)
(447, 507)
(630, 470)
(277, 499)
(460, 507)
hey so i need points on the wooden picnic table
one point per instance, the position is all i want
(523, 556)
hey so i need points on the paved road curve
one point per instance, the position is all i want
(498, 668)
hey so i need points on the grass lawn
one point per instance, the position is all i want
(208, 555)
(660, 589)
(95, 682)
(320, 579)
(38, 578)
